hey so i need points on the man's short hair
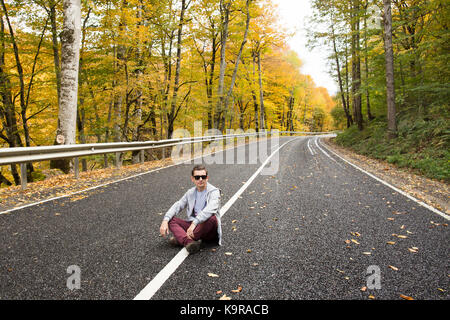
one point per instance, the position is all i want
(199, 167)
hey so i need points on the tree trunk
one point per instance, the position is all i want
(341, 87)
(261, 93)
(356, 66)
(172, 114)
(55, 47)
(70, 54)
(23, 104)
(211, 76)
(8, 112)
(347, 83)
(366, 64)
(219, 114)
(4, 180)
(238, 59)
(389, 58)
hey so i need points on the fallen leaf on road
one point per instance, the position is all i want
(393, 268)
(219, 292)
(239, 289)
(224, 297)
(371, 297)
(228, 253)
(354, 241)
(234, 221)
(413, 250)
(213, 275)
(363, 289)
(347, 241)
(390, 242)
(367, 253)
(77, 198)
(249, 250)
(406, 297)
(391, 219)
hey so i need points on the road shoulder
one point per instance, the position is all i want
(432, 192)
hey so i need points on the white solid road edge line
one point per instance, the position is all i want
(423, 204)
(323, 151)
(309, 147)
(153, 286)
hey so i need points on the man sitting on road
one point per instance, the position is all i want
(202, 204)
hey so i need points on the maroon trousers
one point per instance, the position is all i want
(206, 231)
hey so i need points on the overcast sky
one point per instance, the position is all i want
(293, 15)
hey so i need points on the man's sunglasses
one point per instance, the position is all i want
(198, 177)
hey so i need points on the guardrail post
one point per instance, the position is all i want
(142, 156)
(118, 162)
(23, 176)
(76, 168)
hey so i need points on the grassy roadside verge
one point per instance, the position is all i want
(423, 144)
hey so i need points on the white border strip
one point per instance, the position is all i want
(443, 215)
(153, 286)
(315, 140)
(309, 147)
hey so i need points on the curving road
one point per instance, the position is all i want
(316, 228)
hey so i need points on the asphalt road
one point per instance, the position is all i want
(310, 230)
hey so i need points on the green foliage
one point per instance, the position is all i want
(423, 142)
(37, 175)
(338, 115)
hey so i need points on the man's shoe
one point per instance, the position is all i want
(194, 246)
(173, 242)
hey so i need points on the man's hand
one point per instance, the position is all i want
(164, 229)
(190, 231)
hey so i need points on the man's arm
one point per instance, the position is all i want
(164, 228)
(174, 210)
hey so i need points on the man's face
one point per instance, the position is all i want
(200, 179)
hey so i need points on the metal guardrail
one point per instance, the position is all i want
(24, 155)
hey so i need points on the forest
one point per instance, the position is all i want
(149, 67)
(390, 59)
(145, 68)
